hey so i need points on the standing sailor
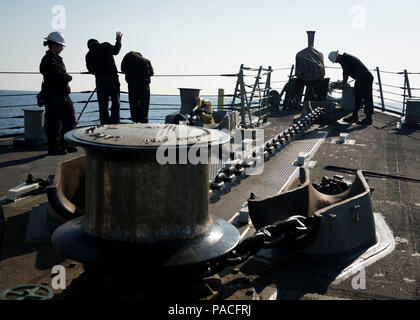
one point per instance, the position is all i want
(138, 71)
(100, 62)
(354, 68)
(55, 92)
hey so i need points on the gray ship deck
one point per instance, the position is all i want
(380, 148)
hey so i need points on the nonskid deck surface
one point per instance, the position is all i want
(279, 170)
(377, 148)
(381, 148)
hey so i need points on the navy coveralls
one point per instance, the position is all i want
(100, 62)
(55, 88)
(353, 67)
(138, 71)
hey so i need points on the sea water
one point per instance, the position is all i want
(12, 116)
(12, 104)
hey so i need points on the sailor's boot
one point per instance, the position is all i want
(66, 146)
(53, 148)
(352, 119)
(367, 121)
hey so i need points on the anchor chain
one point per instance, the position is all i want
(270, 148)
(268, 237)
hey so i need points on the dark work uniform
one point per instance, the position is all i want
(100, 62)
(58, 105)
(353, 67)
(138, 71)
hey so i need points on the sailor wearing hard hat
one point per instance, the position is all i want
(55, 92)
(354, 68)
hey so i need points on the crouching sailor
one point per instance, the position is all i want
(354, 68)
(206, 110)
(55, 92)
(138, 71)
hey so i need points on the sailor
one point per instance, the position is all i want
(138, 71)
(55, 93)
(354, 68)
(100, 62)
(205, 110)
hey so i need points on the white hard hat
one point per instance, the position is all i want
(56, 37)
(333, 56)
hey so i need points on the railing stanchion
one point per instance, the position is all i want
(268, 82)
(292, 69)
(408, 83)
(407, 89)
(87, 102)
(242, 92)
(220, 99)
(235, 92)
(380, 88)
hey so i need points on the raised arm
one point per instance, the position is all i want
(117, 47)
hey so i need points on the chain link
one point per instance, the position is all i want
(268, 237)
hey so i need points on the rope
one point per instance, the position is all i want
(18, 95)
(397, 94)
(388, 85)
(389, 99)
(34, 94)
(12, 128)
(391, 72)
(197, 75)
(35, 72)
(205, 75)
(13, 117)
(19, 105)
(156, 75)
(283, 81)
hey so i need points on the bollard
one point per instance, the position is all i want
(34, 126)
(188, 99)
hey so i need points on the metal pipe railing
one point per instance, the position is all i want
(380, 88)
(87, 102)
(407, 92)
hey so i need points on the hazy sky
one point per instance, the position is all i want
(208, 37)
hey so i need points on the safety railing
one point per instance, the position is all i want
(394, 94)
(11, 118)
(391, 91)
(388, 94)
(252, 96)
